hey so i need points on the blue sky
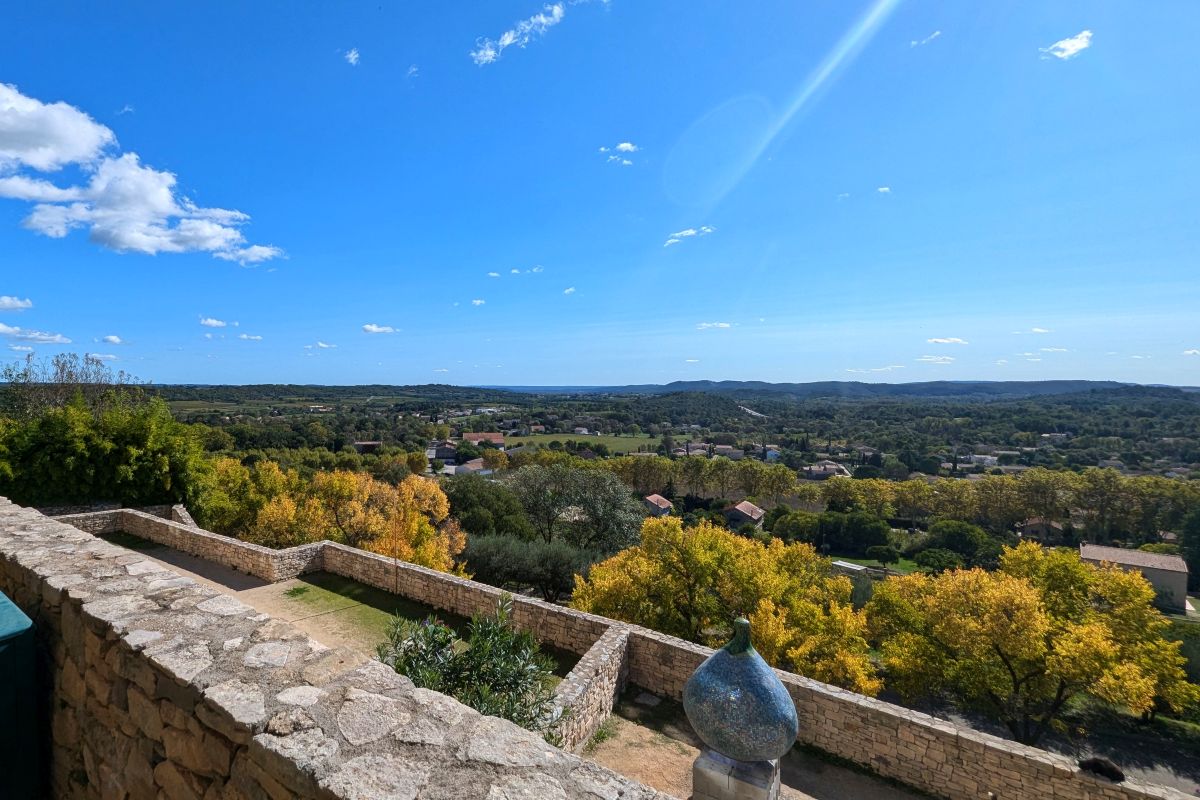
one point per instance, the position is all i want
(603, 192)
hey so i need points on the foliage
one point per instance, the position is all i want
(486, 508)
(938, 559)
(123, 448)
(588, 508)
(511, 563)
(884, 553)
(693, 583)
(1021, 642)
(498, 670)
(277, 508)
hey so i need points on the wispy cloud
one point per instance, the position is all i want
(213, 322)
(925, 41)
(1032, 330)
(843, 196)
(884, 190)
(493, 274)
(888, 368)
(20, 348)
(249, 337)
(412, 72)
(124, 205)
(112, 339)
(688, 233)
(37, 337)
(102, 356)
(569, 290)
(1054, 350)
(8, 303)
(703, 326)
(691, 361)
(947, 340)
(537, 268)
(488, 51)
(936, 359)
(126, 109)
(478, 302)
(620, 152)
(1192, 352)
(1141, 358)
(1065, 49)
(325, 345)
(371, 327)
(352, 56)
(442, 369)
(1001, 361)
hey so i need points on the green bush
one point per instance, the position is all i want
(497, 670)
(937, 559)
(510, 563)
(884, 553)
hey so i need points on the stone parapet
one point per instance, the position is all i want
(936, 756)
(157, 687)
(587, 695)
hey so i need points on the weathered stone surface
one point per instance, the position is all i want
(365, 717)
(374, 777)
(243, 702)
(267, 654)
(496, 741)
(225, 606)
(527, 787)
(300, 695)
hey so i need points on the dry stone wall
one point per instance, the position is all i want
(157, 687)
(936, 756)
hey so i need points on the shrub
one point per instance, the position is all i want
(937, 560)
(511, 563)
(883, 553)
(497, 670)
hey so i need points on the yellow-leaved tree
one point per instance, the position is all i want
(1021, 642)
(694, 582)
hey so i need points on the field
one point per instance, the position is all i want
(615, 444)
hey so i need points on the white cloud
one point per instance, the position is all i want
(884, 190)
(47, 136)
(37, 337)
(627, 147)
(102, 356)
(691, 361)
(126, 109)
(351, 56)
(249, 338)
(947, 340)
(124, 205)
(412, 72)
(211, 322)
(371, 327)
(624, 162)
(20, 348)
(1192, 352)
(569, 290)
(442, 369)
(1033, 359)
(1065, 49)
(514, 271)
(112, 339)
(936, 359)
(537, 268)
(703, 326)
(8, 303)
(1001, 361)
(1055, 350)
(487, 51)
(493, 274)
(843, 196)
(478, 302)
(688, 233)
(1140, 358)
(208, 336)
(325, 346)
(925, 41)
(1040, 330)
(889, 368)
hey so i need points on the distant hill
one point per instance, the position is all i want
(844, 389)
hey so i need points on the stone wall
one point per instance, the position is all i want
(590, 691)
(930, 754)
(157, 687)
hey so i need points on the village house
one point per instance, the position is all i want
(473, 467)
(657, 505)
(744, 513)
(444, 451)
(1168, 574)
(496, 439)
(825, 469)
(1038, 529)
(729, 451)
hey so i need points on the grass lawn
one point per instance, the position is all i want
(616, 444)
(369, 610)
(905, 565)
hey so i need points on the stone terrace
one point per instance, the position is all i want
(160, 688)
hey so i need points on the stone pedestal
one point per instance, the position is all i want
(718, 777)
